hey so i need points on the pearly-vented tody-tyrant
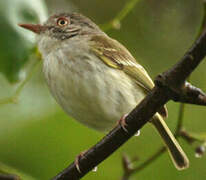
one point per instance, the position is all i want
(94, 78)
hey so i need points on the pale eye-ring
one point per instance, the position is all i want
(62, 21)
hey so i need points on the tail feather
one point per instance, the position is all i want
(178, 156)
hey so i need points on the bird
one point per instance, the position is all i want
(94, 78)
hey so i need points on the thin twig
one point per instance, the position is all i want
(180, 119)
(115, 22)
(14, 97)
(8, 177)
(203, 25)
(146, 163)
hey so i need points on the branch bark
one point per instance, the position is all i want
(9, 177)
(128, 172)
(170, 85)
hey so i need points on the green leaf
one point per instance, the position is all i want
(15, 42)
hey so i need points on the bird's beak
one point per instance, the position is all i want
(36, 28)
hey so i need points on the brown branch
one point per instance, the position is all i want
(128, 172)
(170, 85)
(9, 177)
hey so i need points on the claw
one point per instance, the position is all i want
(122, 123)
(76, 162)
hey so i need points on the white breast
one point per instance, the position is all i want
(87, 89)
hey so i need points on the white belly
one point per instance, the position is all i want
(90, 91)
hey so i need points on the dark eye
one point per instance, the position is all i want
(62, 21)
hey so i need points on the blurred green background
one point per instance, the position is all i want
(38, 140)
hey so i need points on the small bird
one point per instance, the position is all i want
(94, 78)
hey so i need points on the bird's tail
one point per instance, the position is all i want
(177, 155)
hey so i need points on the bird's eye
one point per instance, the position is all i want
(62, 22)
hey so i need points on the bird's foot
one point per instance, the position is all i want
(123, 123)
(76, 162)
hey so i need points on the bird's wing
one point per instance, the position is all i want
(115, 55)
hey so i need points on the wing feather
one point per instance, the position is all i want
(117, 56)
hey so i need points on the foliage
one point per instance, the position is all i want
(16, 44)
(37, 138)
